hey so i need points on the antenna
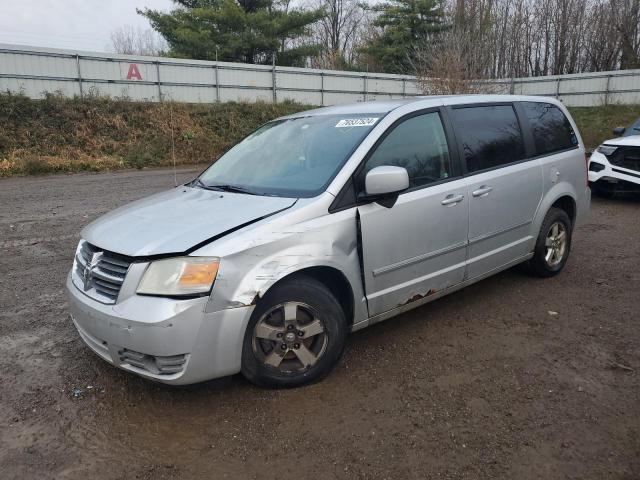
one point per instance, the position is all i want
(173, 146)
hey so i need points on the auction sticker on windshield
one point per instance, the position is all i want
(356, 122)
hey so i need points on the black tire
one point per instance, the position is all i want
(312, 300)
(539, 265)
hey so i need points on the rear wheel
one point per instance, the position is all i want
(553, 244)
(296, 335)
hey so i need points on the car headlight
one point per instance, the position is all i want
(180, 276)
(607, 149)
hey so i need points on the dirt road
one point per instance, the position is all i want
(514, 377)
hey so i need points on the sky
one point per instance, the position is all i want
(74, 24)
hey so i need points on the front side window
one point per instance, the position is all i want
(294, 157)
(418, 144)
(551, 130)
(490, 136)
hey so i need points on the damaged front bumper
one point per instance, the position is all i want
(171, 341)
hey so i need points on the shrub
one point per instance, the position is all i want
(58, 134)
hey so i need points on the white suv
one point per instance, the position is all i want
(615, 165)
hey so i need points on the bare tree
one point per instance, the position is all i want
(129, 40)
(602, 48)
(628, 28)
(453, 64)
(339, 32)
(517, 38)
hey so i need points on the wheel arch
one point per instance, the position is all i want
(332, 278)
(568, 204)
(562, 195)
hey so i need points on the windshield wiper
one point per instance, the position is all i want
(223, 187)
(232, 188)
(197, 183)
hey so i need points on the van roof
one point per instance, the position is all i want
(386, 106)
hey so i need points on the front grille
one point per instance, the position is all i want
(100, 273)
(626, 157)
(156, 365)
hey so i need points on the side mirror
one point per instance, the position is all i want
(386, 180)
(619, 131)
(384, 184)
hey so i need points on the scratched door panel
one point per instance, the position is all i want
(415, 248)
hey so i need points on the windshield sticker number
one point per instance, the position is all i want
(356, 122)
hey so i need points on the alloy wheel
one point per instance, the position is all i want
(290, 337)
(556, 244)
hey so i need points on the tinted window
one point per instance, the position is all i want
(633, 129)
(552, 131)
(490, 136)
(417, 144)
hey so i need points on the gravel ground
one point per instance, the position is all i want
(513, 377)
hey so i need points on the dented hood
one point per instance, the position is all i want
(176, 220)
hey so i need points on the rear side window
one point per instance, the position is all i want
(490, 136)
(551, 130)
(418, 144)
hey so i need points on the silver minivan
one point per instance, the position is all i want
(325, 222)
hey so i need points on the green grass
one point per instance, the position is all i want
(57, 134)
(596, 123)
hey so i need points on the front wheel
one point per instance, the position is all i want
(295, 336)
(553, 244)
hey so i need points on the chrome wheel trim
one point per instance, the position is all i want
(290, 337)
(555, 244)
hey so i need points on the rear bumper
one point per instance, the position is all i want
(583, 207)
(141, 333)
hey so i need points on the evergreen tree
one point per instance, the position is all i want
(249, 31)
(404, 25)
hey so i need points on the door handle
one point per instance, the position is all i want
(482, 191)
(452, 199)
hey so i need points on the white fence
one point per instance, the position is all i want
(580, 89)
(35, 71)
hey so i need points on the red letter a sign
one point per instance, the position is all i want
(134, 72)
